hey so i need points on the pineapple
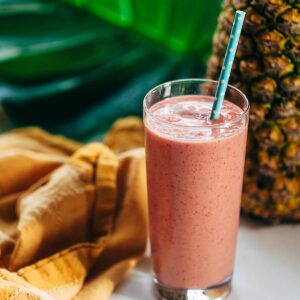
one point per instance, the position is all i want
(267, 69)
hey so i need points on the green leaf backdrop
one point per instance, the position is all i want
(73, 68)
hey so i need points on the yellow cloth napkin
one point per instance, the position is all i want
(72, 217)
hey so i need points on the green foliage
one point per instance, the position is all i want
(70, 72)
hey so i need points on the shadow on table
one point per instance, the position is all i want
(138, 284)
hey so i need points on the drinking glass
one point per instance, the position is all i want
(194, 179)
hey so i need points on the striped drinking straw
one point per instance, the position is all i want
(227, 64)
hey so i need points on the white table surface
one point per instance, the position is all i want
(267, 266)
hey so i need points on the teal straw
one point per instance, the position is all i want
(227, 64)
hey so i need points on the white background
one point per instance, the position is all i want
(267, 266)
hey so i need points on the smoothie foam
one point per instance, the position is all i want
(195, 172)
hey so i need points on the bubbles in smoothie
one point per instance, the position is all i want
(192, 114)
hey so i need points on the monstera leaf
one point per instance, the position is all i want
(70, 72)
(41, 40)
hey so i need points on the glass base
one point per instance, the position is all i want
(216, 292)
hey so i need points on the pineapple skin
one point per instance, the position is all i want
(266, 69)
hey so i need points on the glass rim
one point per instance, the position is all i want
(195, 80)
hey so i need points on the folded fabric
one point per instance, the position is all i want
(72, 217)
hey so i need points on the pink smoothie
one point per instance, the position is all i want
(195, 172)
